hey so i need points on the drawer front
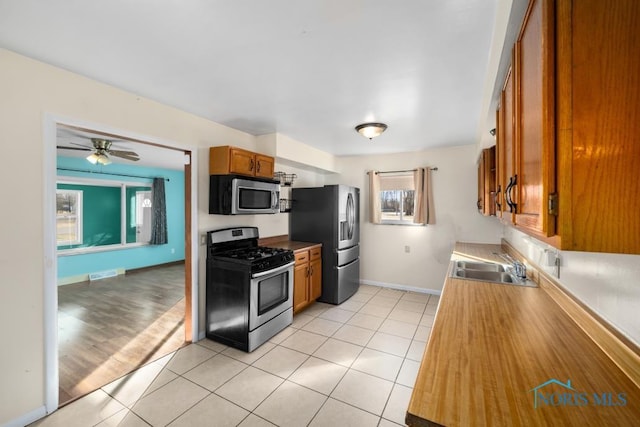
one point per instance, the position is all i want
(316, 253)
(302, 257)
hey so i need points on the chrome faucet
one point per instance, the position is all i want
(519, 268)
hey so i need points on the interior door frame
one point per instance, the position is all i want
(50, 294)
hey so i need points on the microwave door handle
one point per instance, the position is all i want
(275, 199)
(274, 271)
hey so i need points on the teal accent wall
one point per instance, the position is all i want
(101, 215)
(134, 257)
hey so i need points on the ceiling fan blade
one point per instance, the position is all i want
(73, 148)
(124, 156)
(123, 153)
(82, 145)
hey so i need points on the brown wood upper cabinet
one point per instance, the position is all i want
(534, 179)
(225, 160)
(575, 94)
(505, 170)
(487, 181)
(525, 128)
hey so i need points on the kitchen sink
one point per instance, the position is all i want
(490, 276)
(488, 272)
(483, 266)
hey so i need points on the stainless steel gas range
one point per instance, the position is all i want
(249, 288)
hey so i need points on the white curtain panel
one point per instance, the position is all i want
(375, 213)
(425, 211)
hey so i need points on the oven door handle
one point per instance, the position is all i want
(274, 271)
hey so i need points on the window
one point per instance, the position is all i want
(401, 197)
(397, 206)
(95, 216)
(139, 215)
(68, 217)
(397, 198)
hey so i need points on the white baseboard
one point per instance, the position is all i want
(401, 287)
(27, 418)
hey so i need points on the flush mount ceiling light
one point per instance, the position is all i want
(371, 130)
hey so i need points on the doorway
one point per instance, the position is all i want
(169, 317)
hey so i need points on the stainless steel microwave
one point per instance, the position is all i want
(238, 195)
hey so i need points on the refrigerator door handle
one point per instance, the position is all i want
(342, 267)
(350, 216)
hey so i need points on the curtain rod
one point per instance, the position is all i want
(110, 173)
(408, 170)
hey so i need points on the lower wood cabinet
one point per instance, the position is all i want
(307, 277)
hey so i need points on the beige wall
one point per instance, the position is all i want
(28, 91)
(292, 152)
(382, 247)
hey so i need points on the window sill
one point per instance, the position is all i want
(410, 224)
(95, 249)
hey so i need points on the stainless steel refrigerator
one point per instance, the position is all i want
(330, 215)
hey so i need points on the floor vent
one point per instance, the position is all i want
(102, 275)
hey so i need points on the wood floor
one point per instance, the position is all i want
(109, 327)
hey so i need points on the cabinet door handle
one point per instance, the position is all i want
(515, 182)
(507, 194)
(307, 271)
(257, 165)
(312, 270)
(251, 164)
(498, 193)
(512, 182)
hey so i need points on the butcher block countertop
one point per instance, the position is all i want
(284, 243)
(510, 355)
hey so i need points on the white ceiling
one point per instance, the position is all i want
(311, 69)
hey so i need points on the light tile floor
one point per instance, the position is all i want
(348, 365)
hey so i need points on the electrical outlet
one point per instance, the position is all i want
(407, 249)
(173, 250)
(551, 258)
(203, 239)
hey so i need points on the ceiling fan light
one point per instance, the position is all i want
(371, 130)
(103, 159)
(92, 158)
